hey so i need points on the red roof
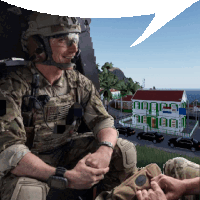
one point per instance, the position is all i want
(126, 98)
(159, 95)
(111, 90)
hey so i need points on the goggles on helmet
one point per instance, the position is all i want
(66, 39)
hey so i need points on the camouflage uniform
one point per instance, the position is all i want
(54, 149)
(182, 168)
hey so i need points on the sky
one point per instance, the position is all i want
(169, 58)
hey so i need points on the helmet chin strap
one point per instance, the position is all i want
(50, 61)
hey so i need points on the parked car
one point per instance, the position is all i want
(153, 136)
(127, 131)
(184, 142)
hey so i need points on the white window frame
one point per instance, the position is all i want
(144, 119)
(163, 105)
(136, 117)
(163, 122)
(173, 106)
(136, 105)
(173, 123)
(144, 105)
(153, 106)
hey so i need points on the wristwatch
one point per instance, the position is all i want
(58, 181)
(108, 144)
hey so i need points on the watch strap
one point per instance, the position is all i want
(60, 171)
(108, 144)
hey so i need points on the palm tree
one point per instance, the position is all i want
(107, 82)
(128, 88)
(137, 86)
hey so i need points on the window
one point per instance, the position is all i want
(163, 105)
(195, 141)
(144, 119)
(153, 106)
(125, 104)
(185, 141)
(136, 118)
(173, 107)
(153, 122)
(151, 135)
(136, 105)
(144, 105)
(174, 123)
(164, 122)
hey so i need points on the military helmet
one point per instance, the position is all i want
(49, 25)
(35, 40)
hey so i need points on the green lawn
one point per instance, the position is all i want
(147, 155)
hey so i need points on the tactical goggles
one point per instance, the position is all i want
(66, 39)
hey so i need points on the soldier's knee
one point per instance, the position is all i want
(129, 153)
(28, 188)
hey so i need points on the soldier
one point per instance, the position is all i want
(41, 150)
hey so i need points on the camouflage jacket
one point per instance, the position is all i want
(13, 134)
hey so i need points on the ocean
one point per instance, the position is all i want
(192, 95)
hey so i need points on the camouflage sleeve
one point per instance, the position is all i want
(12, 131)
(95, 115)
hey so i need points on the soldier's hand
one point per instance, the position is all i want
(162, 187)
(84, 177)
(99, 159)
(155, 193)
(173, 188)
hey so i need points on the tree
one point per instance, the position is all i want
(137, 86)
(107, 65)
(110, 81)
(107, 82)
(131, 87)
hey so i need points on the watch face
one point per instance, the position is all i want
(58, 182)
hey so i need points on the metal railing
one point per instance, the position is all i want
(196, 125)
(168, 132)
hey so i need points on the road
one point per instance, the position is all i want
(162, 146)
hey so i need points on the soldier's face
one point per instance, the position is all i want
(63, 49)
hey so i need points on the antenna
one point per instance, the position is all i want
(143, 83)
